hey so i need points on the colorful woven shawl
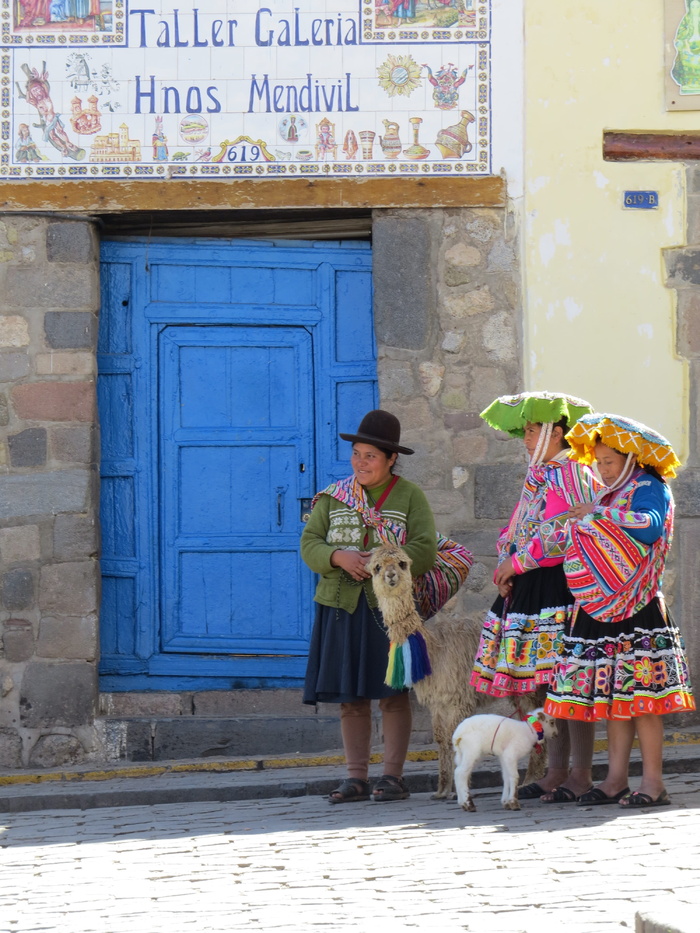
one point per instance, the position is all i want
(610, 573)
(569, 481)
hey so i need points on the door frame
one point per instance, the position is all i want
(148, 668)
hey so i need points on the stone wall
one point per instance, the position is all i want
(448, 330)
(683, 274)
(448, 325)
(49, 579)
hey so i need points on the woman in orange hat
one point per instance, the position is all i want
(623, 660)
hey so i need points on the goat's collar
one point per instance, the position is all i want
(533, 721)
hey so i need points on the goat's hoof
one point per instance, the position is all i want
(468, 805)
(438, 795)
(511, 805)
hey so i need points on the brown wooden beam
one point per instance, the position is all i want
(182, 194)
(622, 146)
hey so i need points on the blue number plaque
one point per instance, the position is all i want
(641, 200)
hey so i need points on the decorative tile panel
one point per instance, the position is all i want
(114, 89)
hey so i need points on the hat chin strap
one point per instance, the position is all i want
(627, 471)
(542, 445)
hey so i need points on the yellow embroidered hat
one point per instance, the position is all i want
(626, 435)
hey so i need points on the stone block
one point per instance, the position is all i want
(693, 220)
(43, 493)
(14, 331)
(500, 337)
(55, 750)
(69, 589)
(404, 292)
(682, 267)
(17, 589)
(28, 448)
(71, 241)
(479, 577)
(55, 401)
(20, 543)
(70, 329)
(469, 448)
(431, 374)
(58, 694)
(68, 638)
(686, 492)
(65, 363)
(497, 488)
(502, 258)
(74, 537)
(4, 410)
(277, 702)
(488, 383)
(127, 705)
(10, 749)
(396, 380)
(14, 365)
(72, 287)
(73, 444)
(195, 737)
(688, 330)
(484, 227)
(462, 420)
(17, 640)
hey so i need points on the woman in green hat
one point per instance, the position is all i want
(522, 634)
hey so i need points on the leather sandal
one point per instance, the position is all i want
(389, 787)
(562, 795)
(350, 790)
(595, 797)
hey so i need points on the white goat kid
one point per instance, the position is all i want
(508, 739)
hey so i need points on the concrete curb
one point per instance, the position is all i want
(222, 781)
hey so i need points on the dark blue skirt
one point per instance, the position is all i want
(348, 656)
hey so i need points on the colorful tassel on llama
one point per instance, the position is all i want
(408, 662)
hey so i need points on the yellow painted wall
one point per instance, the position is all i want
(599, 321)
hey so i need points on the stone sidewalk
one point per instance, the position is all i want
(304, 865)
(198, 780)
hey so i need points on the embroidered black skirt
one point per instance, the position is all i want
(348, 656)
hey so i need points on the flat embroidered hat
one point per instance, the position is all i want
(625, 435)
(511, 413)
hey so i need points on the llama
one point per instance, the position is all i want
(451, 646)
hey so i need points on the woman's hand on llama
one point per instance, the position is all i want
(352, 562)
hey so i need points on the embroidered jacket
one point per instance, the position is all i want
(536, 534)
(616, 555)
(333, 525)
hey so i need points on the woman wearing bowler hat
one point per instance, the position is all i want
(349, 645)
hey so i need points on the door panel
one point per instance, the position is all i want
(236, 408)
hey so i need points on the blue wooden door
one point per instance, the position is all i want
(236, 416)
(226, 370)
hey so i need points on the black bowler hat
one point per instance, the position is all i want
(381, 429)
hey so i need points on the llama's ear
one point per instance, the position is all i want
(541, 716)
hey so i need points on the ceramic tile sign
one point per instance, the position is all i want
(682, 54)
(239, 88)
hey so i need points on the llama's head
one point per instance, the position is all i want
(391, 570)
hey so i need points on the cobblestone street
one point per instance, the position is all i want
(300, 864)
